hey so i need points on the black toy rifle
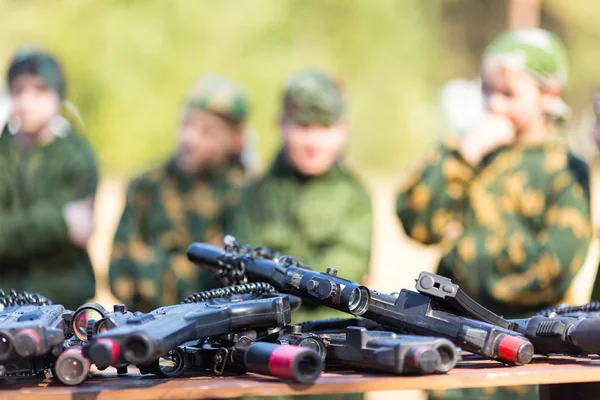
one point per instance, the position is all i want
(72, 366)
(37, 337)
(30, 331)
(32, 337)
(371, 350)
(143, 339)
(406, 312)
(572, 335)
(240, 353)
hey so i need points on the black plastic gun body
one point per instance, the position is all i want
(573, 335)
(144, 338)
(32, 334)
(30, 331)
(240, 353)
(374, 350)
(406, 312)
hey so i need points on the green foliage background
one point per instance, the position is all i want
(130, 62)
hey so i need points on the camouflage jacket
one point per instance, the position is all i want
(514, 230)
(36, 253)
(165, 211)
(322, 221)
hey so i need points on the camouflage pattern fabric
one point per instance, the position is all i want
(165, 211)
(595, 194)
(36, 253)
(220, 96)
(539, 53)
(514, 230)
(322, 221)
(536, 51)
(596, 288)
(37, 62)
(312, 97)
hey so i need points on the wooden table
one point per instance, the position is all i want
(561, 377)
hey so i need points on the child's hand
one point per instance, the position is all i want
(79, 216)
(492, 131)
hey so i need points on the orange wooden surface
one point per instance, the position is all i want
(468, 374)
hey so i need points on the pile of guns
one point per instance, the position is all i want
(246, 327)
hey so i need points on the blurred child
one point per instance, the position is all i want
(595, 176)
(508, 202)
(181, 201)
(48, 177)
(308, 204)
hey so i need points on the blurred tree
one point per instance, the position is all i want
(578, 21)
(130, 63)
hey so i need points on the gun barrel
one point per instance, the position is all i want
(514, 349)
(171, 365)
(144, 338)
(27, 343)
(407, 312)
(585, 335)
(448, 355)
(71, 367)
(205, 255)
(140, 348)
(295, 363)
(422, 359)
(387, 351)
(561, 335)
(103, 352)
(6, 345)
(141, 340)
(329, 290)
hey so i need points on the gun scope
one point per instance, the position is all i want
(84, 314)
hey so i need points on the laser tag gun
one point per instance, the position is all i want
(143, 339)
(373, 350)
(32, 332)
(405, 312)
(91, 319)
(39, 338)
(72, 366)
(239, 353)
(575, 333)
